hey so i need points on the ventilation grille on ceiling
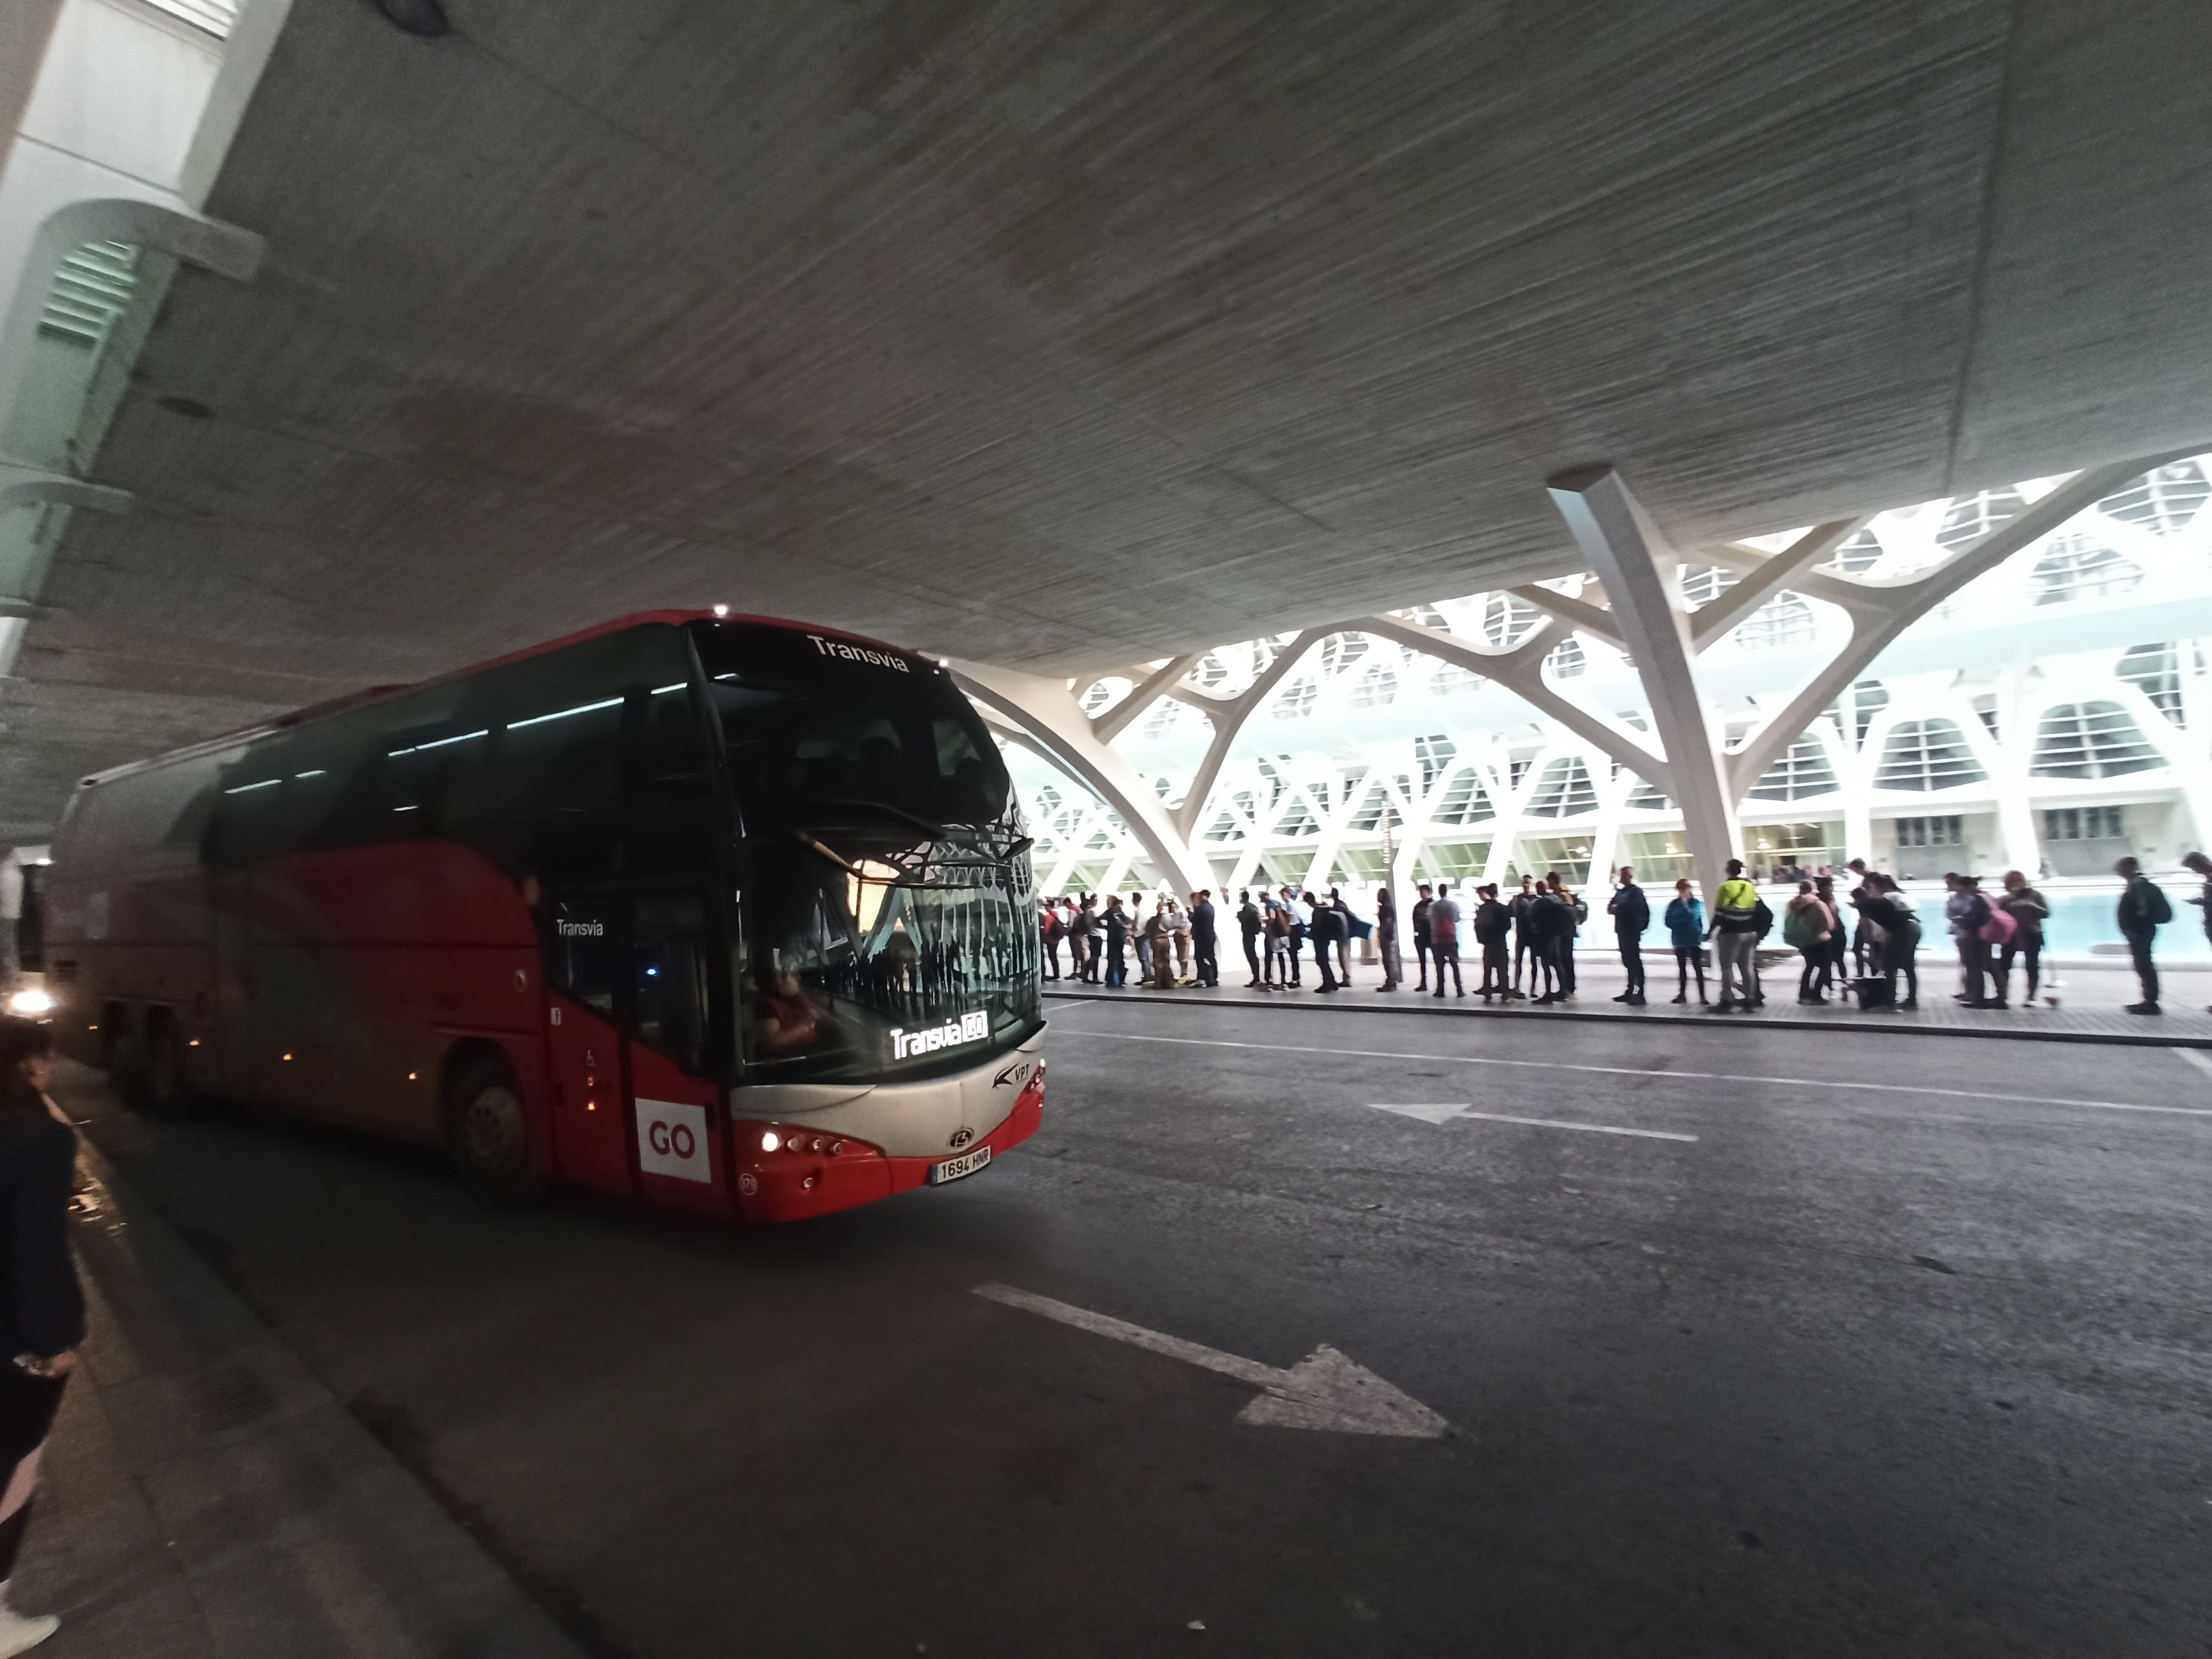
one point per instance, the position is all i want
(90, 291)
(215, 17)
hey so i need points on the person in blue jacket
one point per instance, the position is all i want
(1686, 927)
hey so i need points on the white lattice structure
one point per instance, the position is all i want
(2049, 714)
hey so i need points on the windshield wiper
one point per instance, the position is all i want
(960, 835)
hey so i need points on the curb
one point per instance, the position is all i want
(1776, 1022)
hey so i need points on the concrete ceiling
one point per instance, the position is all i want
(1065, 335)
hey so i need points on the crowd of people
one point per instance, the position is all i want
(1865, 940)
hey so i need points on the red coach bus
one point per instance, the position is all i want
(726, 914)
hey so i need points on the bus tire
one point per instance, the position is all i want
(488, 1133)
(161, 1085)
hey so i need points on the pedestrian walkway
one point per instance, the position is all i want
(2091, 1007)
(205, 1495)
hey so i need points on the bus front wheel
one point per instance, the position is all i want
(488, 1133)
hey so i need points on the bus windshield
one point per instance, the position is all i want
(888, 916)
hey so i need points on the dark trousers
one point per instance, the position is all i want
(1563, 956)
(1496, 968)
(1446, 952)
(1252, 955)
(1208, 964)
(1688, 957)
(1298, 944)
(26, 1414)
(1324, 960)
(1974, 967)
(1117, 966)
(1898, 955)
(1526, 949)
(1421, 958)
(1052, 958)
(2146, 969)
(2033, 955)
(1631, 958)
(1094, 948)
(1814, 979)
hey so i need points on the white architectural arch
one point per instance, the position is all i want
(1454, 726)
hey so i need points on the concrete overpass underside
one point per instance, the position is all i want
(1058, 336)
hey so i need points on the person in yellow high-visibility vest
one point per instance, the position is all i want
(1734, 934)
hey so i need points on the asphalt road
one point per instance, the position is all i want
(1854, 1370)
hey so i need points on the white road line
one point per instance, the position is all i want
(1446, 1114)
(2197, 1058)
(1644, 1070)
(1324, 1390)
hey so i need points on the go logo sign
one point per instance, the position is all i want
(671, 1140)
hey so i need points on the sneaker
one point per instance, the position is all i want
(1625, 996)
(2145, 1008)
(1724, 1007)
(20, 1635)
(1681, 996)
(1633, 1002)
(1909, 1006)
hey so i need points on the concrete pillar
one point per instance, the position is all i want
(1636, 567)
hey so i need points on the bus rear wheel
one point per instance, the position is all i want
(487, 1134)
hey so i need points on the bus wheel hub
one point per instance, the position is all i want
(492, 1131)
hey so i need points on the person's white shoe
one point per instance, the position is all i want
(20, 1635)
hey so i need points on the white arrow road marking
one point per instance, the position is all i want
(1445, 1114)
(1324, 1390)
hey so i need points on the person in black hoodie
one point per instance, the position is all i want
(41, 1305)
(1327, 931)
(1493, 923)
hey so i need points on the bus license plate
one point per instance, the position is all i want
(953, 1168)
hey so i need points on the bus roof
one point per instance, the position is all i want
(376, 693)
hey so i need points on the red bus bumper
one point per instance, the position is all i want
(804, 1177)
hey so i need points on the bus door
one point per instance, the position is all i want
(584, 1045)
(675, 1112)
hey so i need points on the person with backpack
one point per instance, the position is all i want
(1840, 939)
(1808, 926)
(1420, 919)
(1734, 934)
(1632, 913)
(1049, 929)
(1685, 927)
(1882, 902)
(1249, 924)
(1525, 948)
(1443, 937)
(1563, 942)
(2026, 909)
(2143, 911)
(1969, 912)
(1115, 924)
(1493, 925)
(1543, 923)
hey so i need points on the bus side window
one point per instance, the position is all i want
(581, 951)
(668, 974)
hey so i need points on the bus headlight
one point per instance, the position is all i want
(30, 1004)
(770, 1142)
